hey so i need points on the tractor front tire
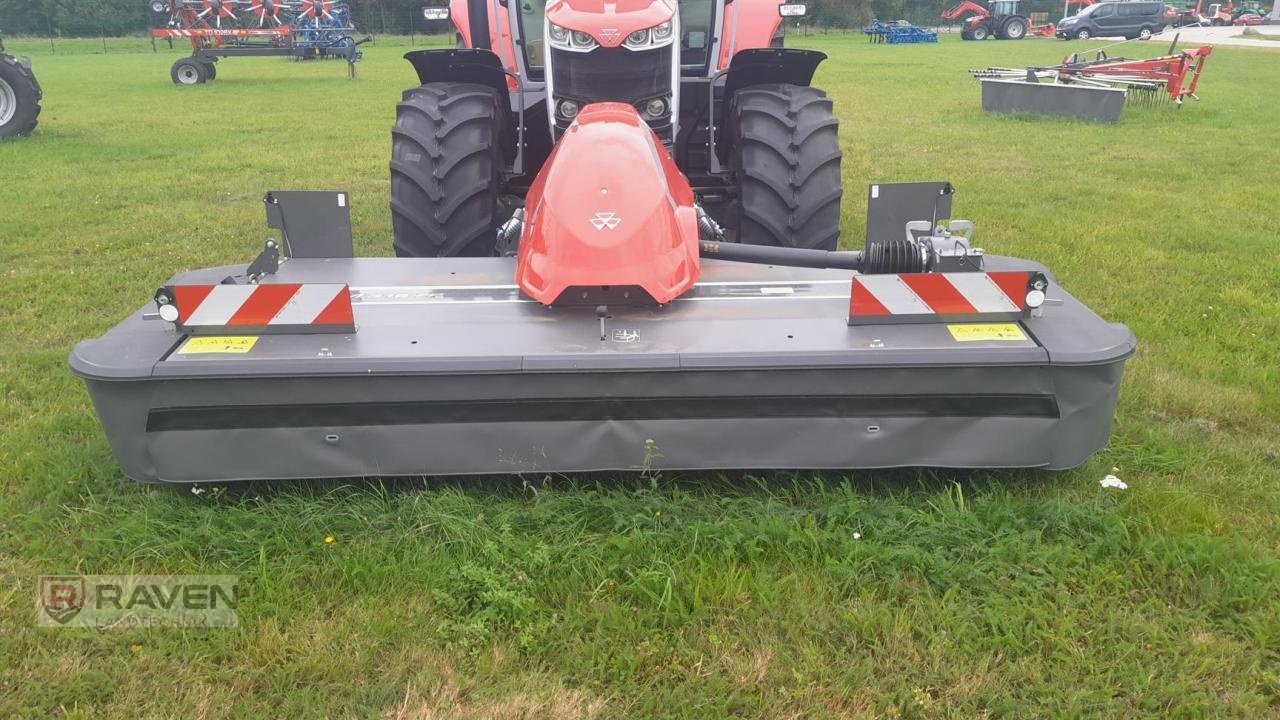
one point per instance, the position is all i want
(19, 98)
(786, 158)
(980, 32)
(446, 160)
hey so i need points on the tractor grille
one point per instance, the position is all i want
(613, 75)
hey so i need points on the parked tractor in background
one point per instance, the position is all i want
(1002, 21)
(19, 95)
(1213, 14)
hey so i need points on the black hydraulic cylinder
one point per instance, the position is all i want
(478, 20)
(786, 257)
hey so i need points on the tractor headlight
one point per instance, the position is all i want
(654, 109)
(571, 40)
(649, 38)
(159, 6)
(567, 109)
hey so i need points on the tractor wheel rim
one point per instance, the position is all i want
(187, 75)
(8, 103)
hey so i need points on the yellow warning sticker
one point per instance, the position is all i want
(230, 344)
(975, 332)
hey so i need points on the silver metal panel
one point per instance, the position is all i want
(459, 314)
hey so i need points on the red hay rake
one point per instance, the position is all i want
(212, 23)
(302, 29)
(1174, 75)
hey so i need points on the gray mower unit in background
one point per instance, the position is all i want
(1074, 101)
(444, 366)
(20, 95)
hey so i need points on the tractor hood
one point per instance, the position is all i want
(610, 209)
(609, 23)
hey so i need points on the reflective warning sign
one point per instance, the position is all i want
(986, 331)
(232, 344)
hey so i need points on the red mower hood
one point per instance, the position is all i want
(609, 22)
(609, 208)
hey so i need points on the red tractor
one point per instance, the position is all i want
(1002, 21)
(730, 110)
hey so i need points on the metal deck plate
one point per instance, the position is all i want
(458, 315)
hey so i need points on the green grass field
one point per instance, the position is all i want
(888, 594)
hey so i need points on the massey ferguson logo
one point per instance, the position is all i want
(61, 597)
(610, 34)
(606, 220)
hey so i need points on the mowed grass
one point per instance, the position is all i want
(912, 594)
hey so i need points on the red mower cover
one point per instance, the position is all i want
(610, 208)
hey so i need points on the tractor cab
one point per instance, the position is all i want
(1004, 7)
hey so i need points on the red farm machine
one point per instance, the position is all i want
(216, 29)
(1094, 89)
(616, 227)
(1002, 21)
(20, 95)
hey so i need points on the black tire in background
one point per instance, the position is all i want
(19, 98)
(446, 163)
(188, 71)
(210, 71)
(786, 159)
(1013, 29)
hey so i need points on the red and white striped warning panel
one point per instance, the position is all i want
(943, 297)
(272, 308)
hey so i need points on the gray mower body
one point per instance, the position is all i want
(452, 371)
